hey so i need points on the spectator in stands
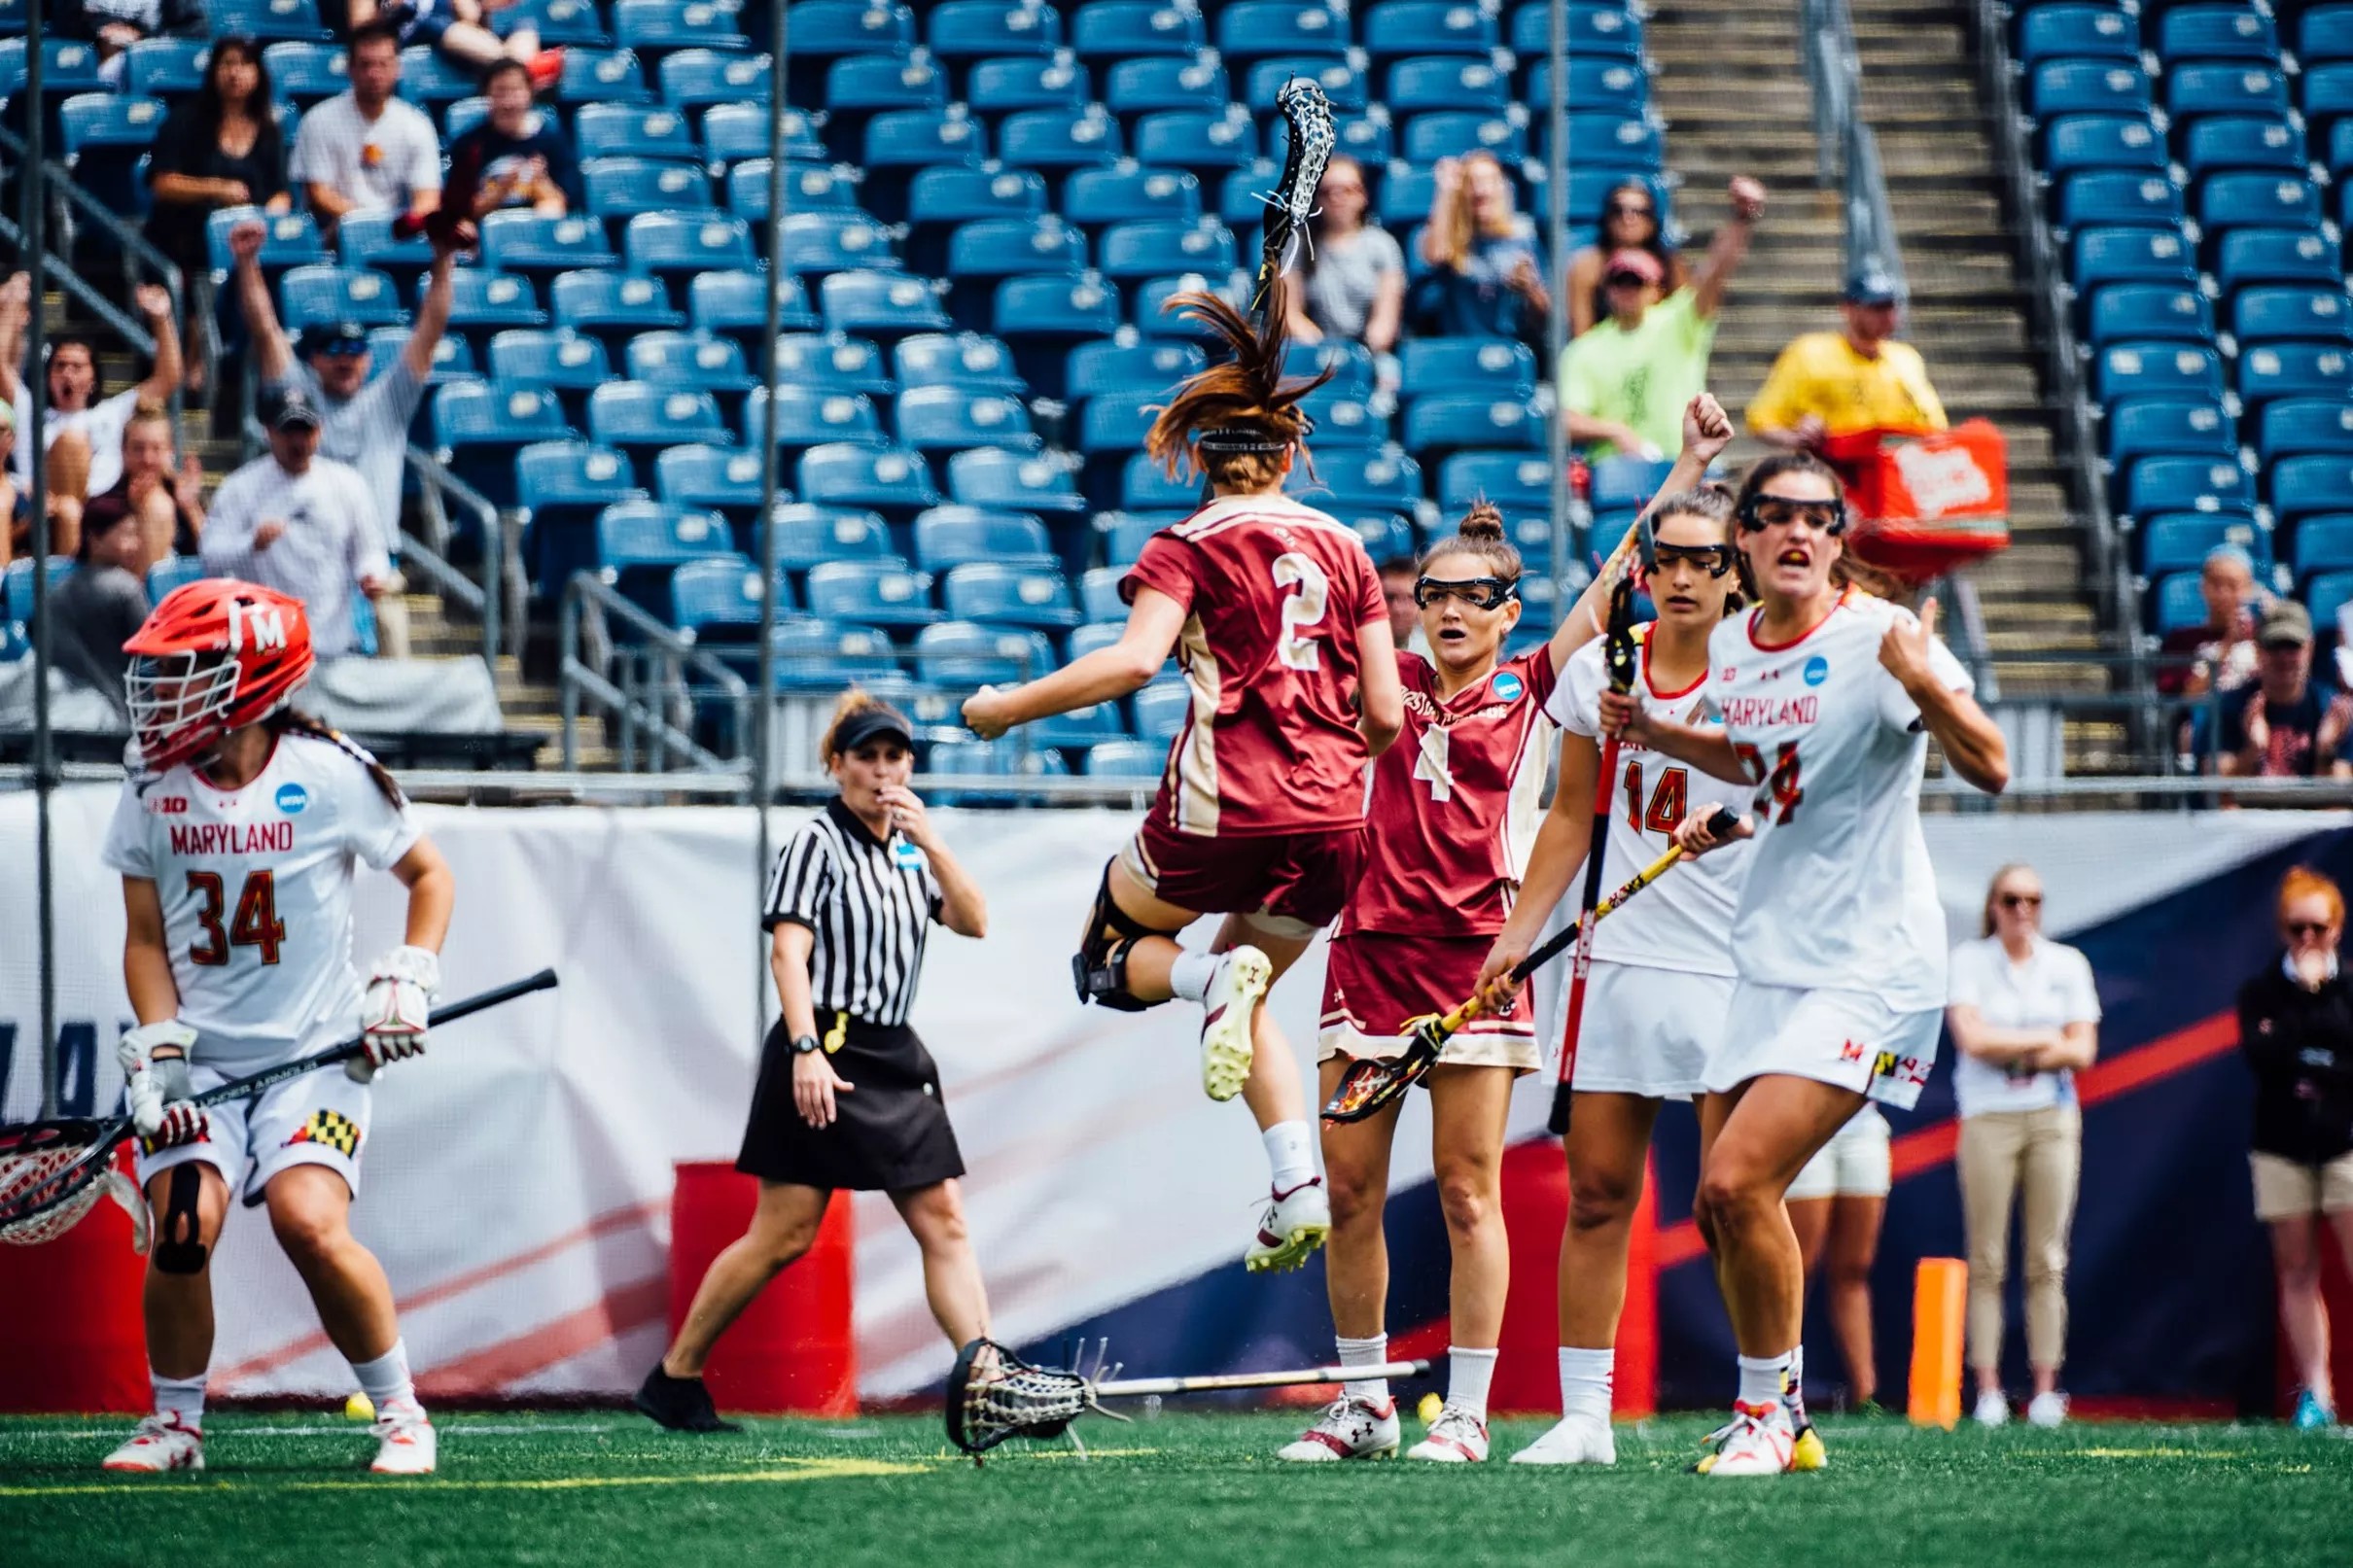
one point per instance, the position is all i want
(1624, 385)
(2026, 1015)
(1485, 278)
(15, 501)
(1397, 580)
(2219, 655)
(1629, 221)
(1859, 378)
(518, 157)
(2285, 724)
(114, 25)
(220, 149)
(100, 606)
(365, 151)
(1353, 278)
(300, 523)
(167, 503)
(2296, 1028)
(458, 28)
(83, 429)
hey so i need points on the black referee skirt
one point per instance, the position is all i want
(890, 1132)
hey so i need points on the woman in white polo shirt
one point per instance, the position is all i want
(2025, 1016)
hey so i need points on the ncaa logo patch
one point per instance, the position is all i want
(1817, 670)
(1508, 686)
(292, 798)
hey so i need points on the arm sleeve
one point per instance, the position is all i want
(1543, 676)
(227, 547)
(366, 544)
(2083, 992)
(126, 848)
(802, 882)
(1778, 402)
(379, 832)
(934, 896)
(1165, 566)
(310, 160)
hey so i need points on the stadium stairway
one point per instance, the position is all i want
(1733, 87)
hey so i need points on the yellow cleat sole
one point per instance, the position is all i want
(1292, 1254)
(1230, 1044)
(1807, 1453)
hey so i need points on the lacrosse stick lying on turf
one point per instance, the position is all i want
(993, 1394)
(51, 1173)
(1372, 1082)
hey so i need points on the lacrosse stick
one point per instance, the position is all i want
(1292, 201)
(51, 1173)
(993, 1394)
(1372, 1082)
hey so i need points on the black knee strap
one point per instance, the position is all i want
(1099, 967)
(177, 1249)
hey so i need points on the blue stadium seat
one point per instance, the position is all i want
(654, 27)
(1441, 83)
(1160, 82)
(2324, 36)
(815, 243)
(608, 305)
(478, 428)
(962, 655)
(2081, 32)
(1016, 756)
(2089, 88)
(560, 487)
(2188, 483)
(2324, 543)
(1626, 483)
(1125, 534)
(1117, 421)
(1040, 316)
(2119, 197)
(266, 19)
(717, 600)
(954, 536)
(2269, 315)
(2258, 201)
(880, 304)
(68, 66)
(639, 543)
(2275, 371)
(1123, 759)
(618, 188)
(861, 87)
(2150, 310)
(807, 417)
(1058, 138)
(1343, 84)
(2095, 141)
(2174, 603)
(2293, 425)
(528, 243)
(966, 29)
(713, 478)
(641, 419)
(454, 360)
(1126, 29)
(1196, 139)
(972, 361)
(2180, 542)
(2243, 142)
(1094, 635)
(888, 479)
(945, 419)
(1446, 422)
(1154, 320)
(430, 79)
(2251, 256)
(2158, 370)
(1605, 27)
(1098, 595)
(1358, 479)
(818, 655)
(1494, 365)
(569, 364)
(808, 535)
(694, 78)
(1432, 137)
(633, 130)
(2195, 91)
(106, 136)
(1515, 481)
(2217, 32)
(659, 243)
(308, 295)
(565, 23)
(996, 593)
(2325, 595)
(697, 361)
(878, 593)
(171, 573)
(601, 76)
(2105, 256)
(17, 596)
(1387, 536)
(1144, 486)
(1001, 247)
(1409, 28)
(1251, 28)
(365, 239)
(1002, 86)
(167, 68)
(2304, 486)
(998, 480)
(1127, 193)
(1607, 141)
(832, 363)
(2147, 427)
(941, 196)
(1354, 374)
(289, 239)
(1140, 249)
(733, 132)
(1161, 710)
(484, 303)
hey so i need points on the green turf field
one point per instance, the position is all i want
(1186, 1489)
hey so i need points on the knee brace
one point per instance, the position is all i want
(177, 1249)
(1099, 967)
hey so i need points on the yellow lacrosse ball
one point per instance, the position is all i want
(358, 1408)
(1430, 1407)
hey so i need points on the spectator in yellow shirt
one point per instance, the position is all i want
(1830, 384)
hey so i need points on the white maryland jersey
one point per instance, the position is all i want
(1841, 897)
(1683, 921)
(256, 887)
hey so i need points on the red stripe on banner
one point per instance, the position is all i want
(494, 1366)
(1934, 1145)
(458, 1284)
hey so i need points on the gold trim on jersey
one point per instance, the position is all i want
(1196, 755)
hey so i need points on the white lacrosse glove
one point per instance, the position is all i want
(158, 1087)
(396, 1008)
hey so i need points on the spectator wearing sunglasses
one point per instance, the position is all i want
(2026, 1015)
(1858, 378)
(2296, 1031)
(1625, 384)
(1630, 220)
(2285, 724)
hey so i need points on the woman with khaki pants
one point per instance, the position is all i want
(2025, 1016)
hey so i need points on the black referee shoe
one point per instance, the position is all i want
(681, 1404)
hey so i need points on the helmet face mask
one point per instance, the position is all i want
(214, 657)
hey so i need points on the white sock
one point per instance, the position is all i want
(1468, 1375)
(1584, 1381)
(1764, 1380)
(1190, 975)
(385, 1379)
(183, 1397)
(1795, 1398)
(1290, 1154)
(1370, 1352)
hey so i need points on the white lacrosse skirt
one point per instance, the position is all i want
(1646, 1031)
(1851, 1038)
(1853, 1163)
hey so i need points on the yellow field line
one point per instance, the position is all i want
(800, 1470)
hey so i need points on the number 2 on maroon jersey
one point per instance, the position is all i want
(256, 923)
(1301, 610)
(1665, 811)
(1781, 785)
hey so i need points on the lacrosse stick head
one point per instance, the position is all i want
(1618, 645)
(1292, 201)
(993, 1395)
(1371, 1083)
(48, 1179)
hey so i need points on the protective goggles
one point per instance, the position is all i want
(1480, 593)
(1761, 513)
(1712, 559)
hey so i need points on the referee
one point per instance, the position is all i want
(848, 1097)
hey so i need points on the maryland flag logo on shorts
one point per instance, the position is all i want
(334, 1129)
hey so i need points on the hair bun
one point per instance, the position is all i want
(1483, 523)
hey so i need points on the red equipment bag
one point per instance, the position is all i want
(1925, 503)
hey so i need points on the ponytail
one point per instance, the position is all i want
(290, 720)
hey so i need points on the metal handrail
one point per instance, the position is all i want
(502, 571)
(587, 594)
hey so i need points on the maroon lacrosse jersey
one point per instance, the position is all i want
(1274, 593)
(1454, 803)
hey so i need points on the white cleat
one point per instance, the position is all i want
(2048, 1409)
(1574, 1440)
(404, 1442)
(1350, 1429)
(1759, 1441)
(1229, 1014)
(1293, 1225)
(1993, 1409)
(1455, 1438)
(161, 1444)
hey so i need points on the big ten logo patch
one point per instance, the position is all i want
(166, 805)
(331, 1129)
(77, 1068)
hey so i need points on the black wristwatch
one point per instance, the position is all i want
(804, 1045)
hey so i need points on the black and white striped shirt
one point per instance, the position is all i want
(869, 902)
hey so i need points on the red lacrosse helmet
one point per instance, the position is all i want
(215, 655)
